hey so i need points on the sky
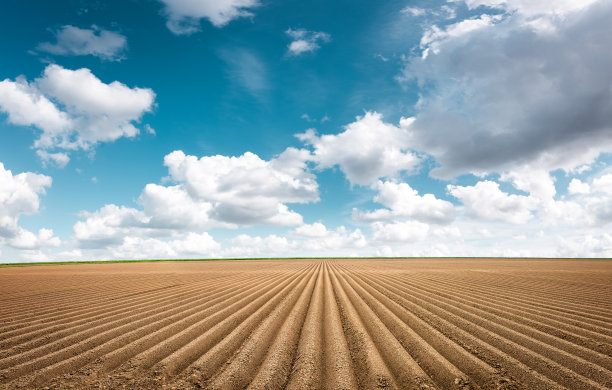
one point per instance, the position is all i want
(263, 128)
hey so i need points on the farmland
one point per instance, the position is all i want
(307, 324)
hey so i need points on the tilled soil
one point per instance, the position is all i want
(309, 324)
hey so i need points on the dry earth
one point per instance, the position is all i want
(307, 324)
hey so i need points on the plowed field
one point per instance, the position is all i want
(309, 324)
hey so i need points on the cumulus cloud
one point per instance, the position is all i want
(485, 200)
(314, 230)
(576, 186)
(108, 226)
(402, 201)
(531, 86)
(210, 191)
(96, 41)
(304, 41)
(20, 195)
(603, 184)
(74, 109)
(247, 189)
(183, 16)
(26, 105)
(367, 149)
(24, 239)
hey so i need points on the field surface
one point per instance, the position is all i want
(308, 324)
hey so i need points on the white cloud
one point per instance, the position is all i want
(542, 192)
(434, 36)
(25, 105)
(244, 245)
(108, 226)
(184, 15)
(408, 231)
(192, 245)
(445, 11)
(319, 238)
(25, 239)
(531, 8)
(315, 230)
(247, 189)
(524, 90)
(340, 240)
(104, 111)
(171, 207)
(578, 187)
(19, 195)
(95, 41)
(211, 191)
(74, 109)
(485, 200)
(603, 184)
(58, 159)
(586, 246)
(404, 202)
(305, 41)
(368, 149)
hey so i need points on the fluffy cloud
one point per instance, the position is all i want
(25, 105)
(108, 226)
(247, 189)
(304, 41)
(578, 187)
(95, 41)
(603, 184)
(73, 108)
(404, 202)
(19, 195)
(485, 200)
(25, 239)
(210, 191)
(590, 245)
(525, 89)
(434, 37)
(314, 230)
(184, 15)
(368, 149)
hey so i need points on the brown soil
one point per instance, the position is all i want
(309, 324)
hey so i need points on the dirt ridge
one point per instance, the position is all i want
(309, 324)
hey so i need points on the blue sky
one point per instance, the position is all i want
(230, 128)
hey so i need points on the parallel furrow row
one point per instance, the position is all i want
(310, 324)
